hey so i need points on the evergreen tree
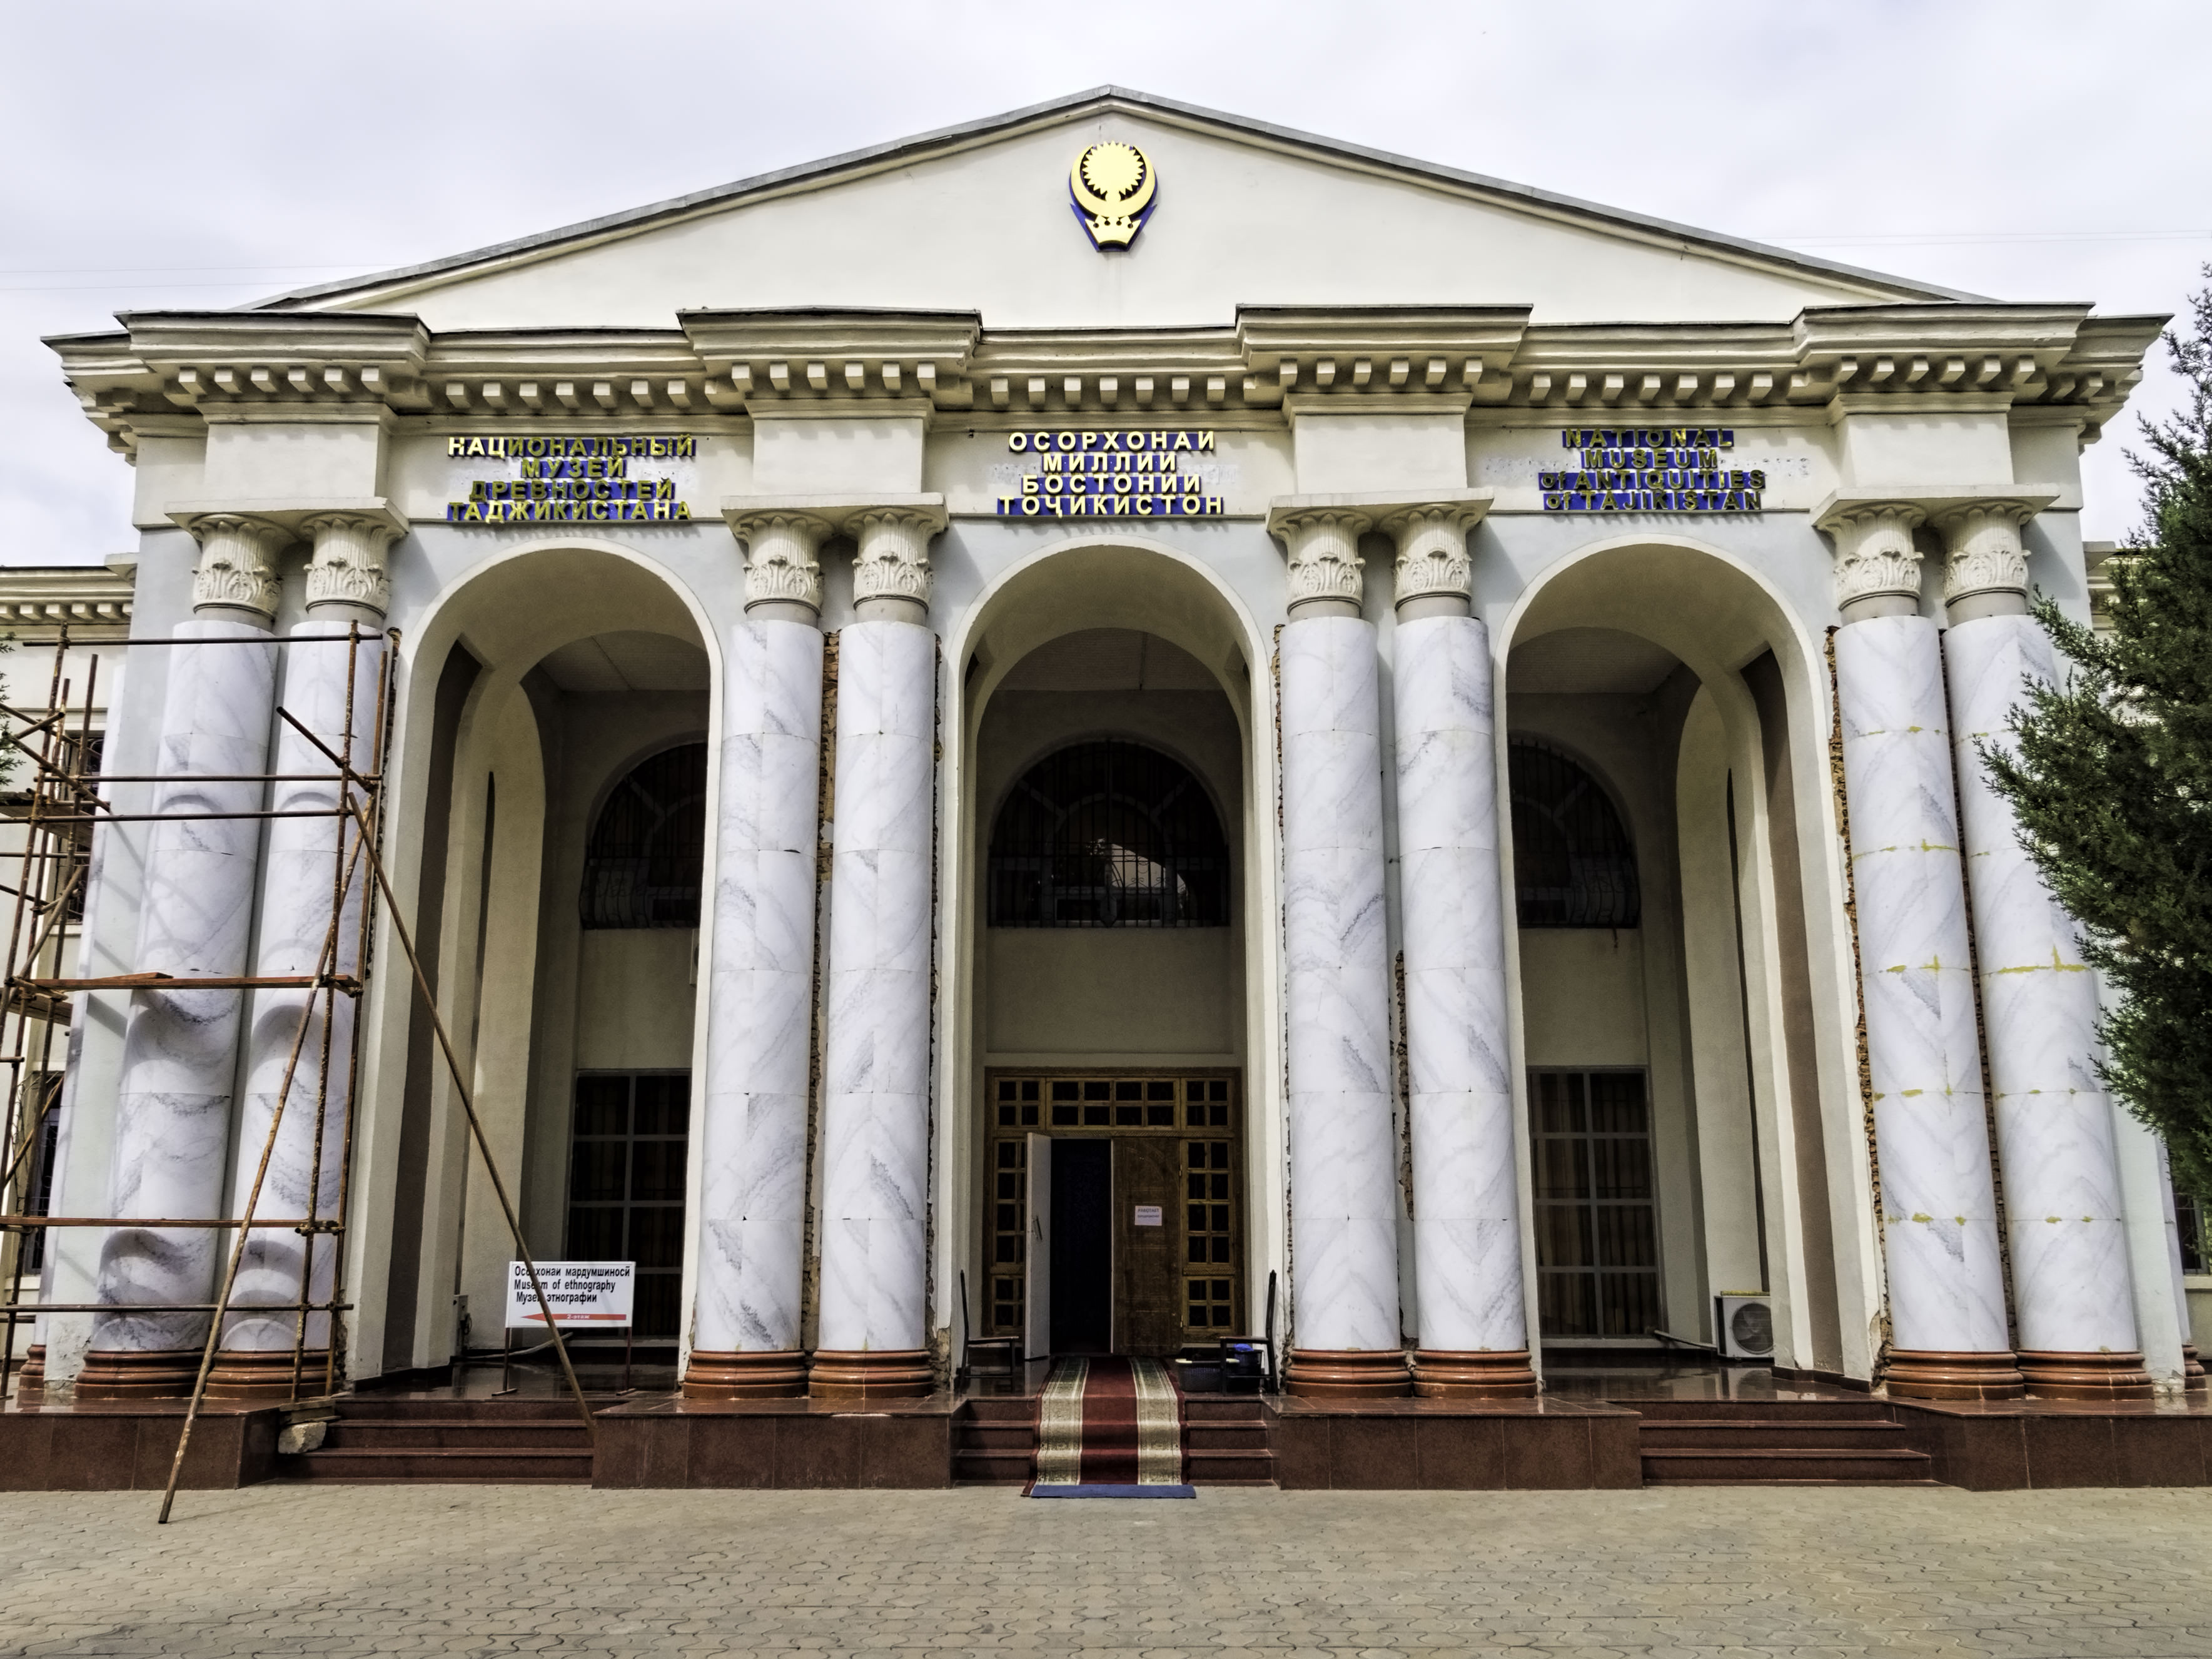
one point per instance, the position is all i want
(2112, 780)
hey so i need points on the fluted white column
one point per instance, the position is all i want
(1344, 1189)
(331, 685)
(872, 1337)
(1947, 1302)
(2073, 1293)
(1467, 1222)
(180, 1048)
(745, 1335)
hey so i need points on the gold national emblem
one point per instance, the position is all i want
(1112, 187)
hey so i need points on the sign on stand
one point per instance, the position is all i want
(586, 1294)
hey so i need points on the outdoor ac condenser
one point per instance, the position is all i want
(1744, 1320)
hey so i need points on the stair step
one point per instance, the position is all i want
(1683, 1433)
(356, 1433)
(429, 1464)
(1705, 1466)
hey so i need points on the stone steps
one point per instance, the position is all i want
(1777, 1442)
(386, 1441)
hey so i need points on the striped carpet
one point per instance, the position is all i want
(1109, 1423)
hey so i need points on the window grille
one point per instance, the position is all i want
(1108, 834)
(626, 1171)
(643, 867)
(1597, 1231)
(1573, 862)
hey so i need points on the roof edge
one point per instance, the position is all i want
(1101, 96)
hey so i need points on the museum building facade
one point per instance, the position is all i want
(1099, 729)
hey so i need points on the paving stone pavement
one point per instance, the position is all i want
(501, 1569)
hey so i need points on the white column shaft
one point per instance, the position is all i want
(2063, 1213)
(1467, 1223)
(180, 1048)
(752, 1218)
(298, 878)
(875, 1128)
(1939, 1223)
(1344, 1190)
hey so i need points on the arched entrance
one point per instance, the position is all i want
(554, 770)
(1682, 1004)
(1108, 934)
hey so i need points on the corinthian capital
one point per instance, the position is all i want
(1432, 560)
(892, 560)
(347, 566)
(237, 571)
(1322, 540)
(780, 547)
(1982, 547)
(1875, 558)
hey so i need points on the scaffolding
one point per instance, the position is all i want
(66, 802)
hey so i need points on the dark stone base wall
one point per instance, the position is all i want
(1420, 1448)
(130, 1448)
(1989, 1449)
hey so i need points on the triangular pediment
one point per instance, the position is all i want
(978, 219)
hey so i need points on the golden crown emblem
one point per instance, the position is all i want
(1111, 187)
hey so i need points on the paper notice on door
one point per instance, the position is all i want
(1148, 1215)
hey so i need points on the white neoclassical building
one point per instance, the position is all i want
(1109, 724)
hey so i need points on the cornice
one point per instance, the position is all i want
(306, 368)
(35, 600)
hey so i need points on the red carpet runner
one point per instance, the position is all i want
(1109, 1423)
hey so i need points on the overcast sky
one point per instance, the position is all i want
(210, 154)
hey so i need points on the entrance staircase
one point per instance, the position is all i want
(1776, 1442)
(420, 1440)
(1224, 1441)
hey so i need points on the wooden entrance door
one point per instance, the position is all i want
(1177, 1200)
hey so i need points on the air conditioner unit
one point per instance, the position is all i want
(1744, 1322)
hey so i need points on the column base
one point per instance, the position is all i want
(263, 1374)
(871, 1373)
(1473, 1374)
(749, 1376)
(2192, 1370)
(2060, 1375)
(31, 1376)
(1939, 1374)
(160, 1374)
(1346, 1373)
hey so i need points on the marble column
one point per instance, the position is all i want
(2073, 1299)
(332, 686)
(1345, 1334)
(1466, 1209)
(872, 1337)
(180, 1048)
(1947, 1299)
(745, 1334)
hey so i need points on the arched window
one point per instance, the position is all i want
(1108, 834)
(1573, 862)
(643, 867)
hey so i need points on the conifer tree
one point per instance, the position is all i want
(2113, 778)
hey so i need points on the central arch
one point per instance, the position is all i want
(1124, 1021)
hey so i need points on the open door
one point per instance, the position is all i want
(1037, 1299)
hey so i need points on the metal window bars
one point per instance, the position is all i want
(1573, 864)
(1107, 834)
(65, 804)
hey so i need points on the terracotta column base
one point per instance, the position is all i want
(869, 1373)
(1937, 1373)
(751, 1375)
(2058, 1375)
(1347, 1372)
(2192, 1370)
(259, 1374)
(31, 1376)
(163, 1374)
(1473, 1374)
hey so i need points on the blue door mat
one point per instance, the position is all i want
(1113, 1491)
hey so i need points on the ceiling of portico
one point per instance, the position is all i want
(629, 661)
(1585, 660)
(978, 219)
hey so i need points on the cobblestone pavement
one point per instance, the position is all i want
(493, 1569)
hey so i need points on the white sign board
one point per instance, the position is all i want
(579, 1292)
(1148, 1215)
